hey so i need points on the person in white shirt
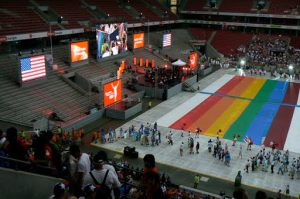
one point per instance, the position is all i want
(80, 165)
(111, 181)
(111, 168)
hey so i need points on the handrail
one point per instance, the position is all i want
(199, 191)
(27, 163)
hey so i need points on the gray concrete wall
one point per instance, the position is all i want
(149, 91)
(174, 90)
(79, 63)
(191, 80)
(82, 82)
(206, 71)
(133, 110)
(212, 52)
(19, 184)
(84, 121)
(123, 115)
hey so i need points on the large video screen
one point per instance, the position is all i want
(111, 39)
(112, 92)
(167, 40)
(138, 40)
(193, 59)
(32, 68)
(79, 51)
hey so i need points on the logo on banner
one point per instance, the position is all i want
(79, 51)
(112, 92)
(193, 60)
(138, 40)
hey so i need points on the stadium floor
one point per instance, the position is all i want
(170, 111)
(254, 108)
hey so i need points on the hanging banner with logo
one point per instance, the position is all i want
(193, 60)
(112, 92)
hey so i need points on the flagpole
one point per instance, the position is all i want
(50, 29)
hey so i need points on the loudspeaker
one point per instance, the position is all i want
(130, 152)
(135, 154)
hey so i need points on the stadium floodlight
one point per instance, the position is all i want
(243, 62)
(291, 67)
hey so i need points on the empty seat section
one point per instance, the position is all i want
(112, 8)
(16, 17)
(227, 42)
(141, 8)
(236, 6)
(201, 33)
(280, 7)
(72, 11)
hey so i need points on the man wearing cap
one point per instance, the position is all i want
(59, 191)
(89, 192)
(105, 163)
(97, 175)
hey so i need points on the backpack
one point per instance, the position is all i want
(102, 189)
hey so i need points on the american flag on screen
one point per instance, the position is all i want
(167, 39)
(33, 67)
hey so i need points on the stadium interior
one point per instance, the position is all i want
(76, 70)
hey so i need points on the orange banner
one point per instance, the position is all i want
(147, 63)
(79, 51)
(141, 62)
(112, 92)
(138, 40)
(134, 61)
(152, 63)
(193, 60)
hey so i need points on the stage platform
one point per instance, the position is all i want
(175, 108)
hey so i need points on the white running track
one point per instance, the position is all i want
(292, 142)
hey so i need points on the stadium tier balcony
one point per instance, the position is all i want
(236, 6)
(141, 8)
(112, 8)
(282, 7)
(157, 5)
(226, 42)
(17, 17)
(195, 5)
(72, 11)
(201, 33)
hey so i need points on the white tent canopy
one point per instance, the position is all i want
(179, 62)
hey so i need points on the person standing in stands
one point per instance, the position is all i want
(80, 165)
(106, 165)
(238, 180)
(89, 192)
(149, 163)
(12, 146)
(59, 191)
(97, 176)
(151, 187)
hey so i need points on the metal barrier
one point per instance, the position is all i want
(27, 166)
